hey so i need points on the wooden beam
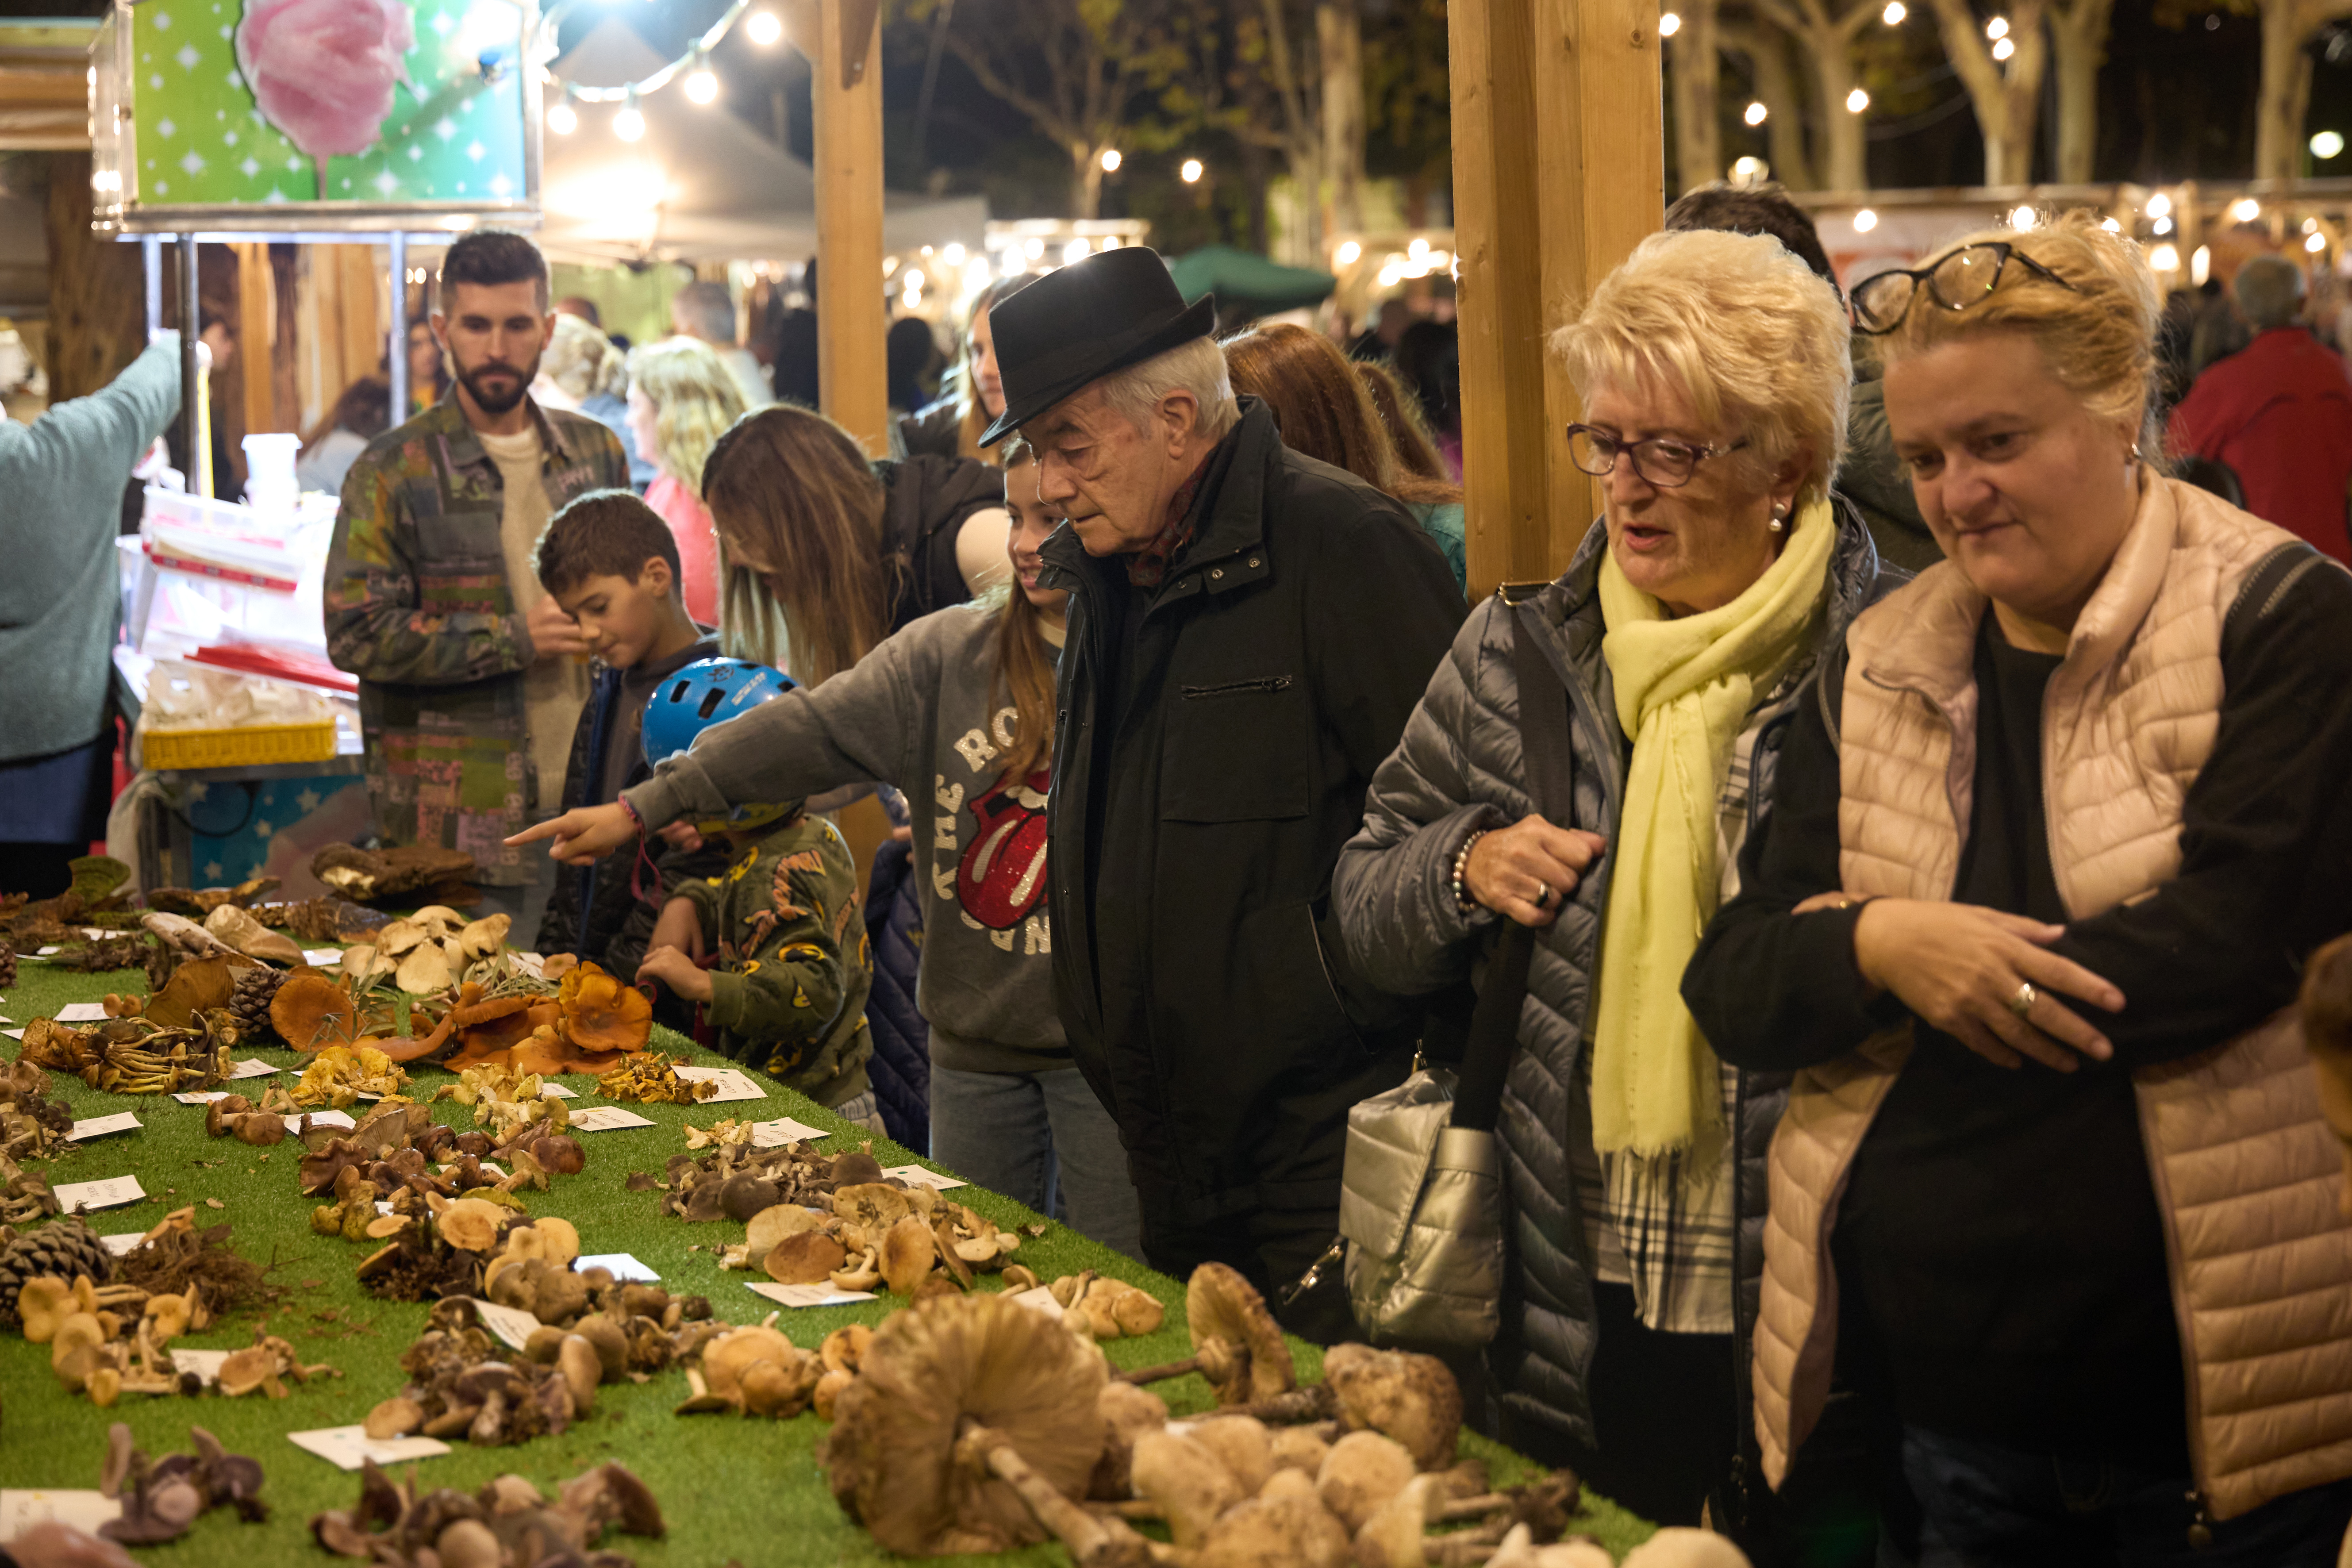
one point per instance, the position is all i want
(839, 37)
(256, 332)
(1558, 172)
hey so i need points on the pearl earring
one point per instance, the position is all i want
(1777, 524)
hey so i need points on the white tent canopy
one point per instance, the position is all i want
(700, 186)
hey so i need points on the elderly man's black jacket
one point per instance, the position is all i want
(1216, 737)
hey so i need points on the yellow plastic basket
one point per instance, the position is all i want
(169, 750)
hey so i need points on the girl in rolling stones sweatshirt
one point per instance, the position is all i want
(957, 710)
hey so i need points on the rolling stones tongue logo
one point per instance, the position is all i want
(1001, 877)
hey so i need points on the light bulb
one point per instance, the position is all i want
(2327, 143)
(2162, 225)
(1075, 250)
(2004, 48)
(1895, 13)
(562, 119)
(1996, 28)
(2315, 243)
(702, 85)
(914, 280)
(1757, 112)
(2200, 265)
(2112, 227)
(1864, 221)
(1669, 23)
(2022, 219)
(2160, 205)
(2164, 258)
(2246, 209)
(1418, 250)
(1348, 254)
(953, 255)
(1033, 247)
(763, 28)
(1856, 101)
(629, 124)
(1111, 160)
(1191, 172)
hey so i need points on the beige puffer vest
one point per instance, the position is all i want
(2247, 1174)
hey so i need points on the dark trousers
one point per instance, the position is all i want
(1272, 1248)
(1665, 1410)
(1988, 1506)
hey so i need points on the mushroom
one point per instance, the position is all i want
(583, 1368)
(484, 937)
(424, 971)
(1283, 1531)
(396, 1417)
(772, 1225)
(1676, 1547)
(1363, 1470)
(1299, 1448)
(240, 930)
(908, 1250)
(471, 1225)
(1185, 1480)
(1128, 1413)
(862, 1273)
(1236, 1344)
(1241, 1445)
(167, 1316)
(1004, 1379)
(1411, 1398)
(246, 1370)
(828, 1389)
(42, 1304)
(844, 1349)
(1391, 1538)
(399, 937)
(808, 1258)
(611, 1342)
(312, 1012)
(1519, 1550)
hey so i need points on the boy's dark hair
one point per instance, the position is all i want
(1755, 209)
(492, 256)
(604, 533)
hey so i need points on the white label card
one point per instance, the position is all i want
(919, 1177)
(99, 1126)
(557, 1089)
(731, 1081)
(809, 1295)
(607, 1119)
(1040, 1300)
(342, 1119)
(782, 1131)
(349, 1447)
(625, 1266)
(511, 1324)
(322, 955)
(206, 1364)
(12, 1034)
(81, 1012)
(201, 1096)
(252, 1066)
(84, 1510)
(74, 1197)
(123, 1242)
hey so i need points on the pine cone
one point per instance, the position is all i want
(8, 964)
(249, 1005)
(63, 1248)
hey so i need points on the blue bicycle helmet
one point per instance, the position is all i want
(711, 691)
(707, 692)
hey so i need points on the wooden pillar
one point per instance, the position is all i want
(841, 40)
(1558, 172)
(257, 313)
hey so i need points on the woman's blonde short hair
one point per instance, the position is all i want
(583, 360)
(2098, 337)
(694, 398)
(1756, 340)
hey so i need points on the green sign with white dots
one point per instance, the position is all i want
(314, 114)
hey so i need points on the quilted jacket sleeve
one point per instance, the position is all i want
(1456, 769)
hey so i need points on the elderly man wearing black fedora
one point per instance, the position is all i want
(1248, 630)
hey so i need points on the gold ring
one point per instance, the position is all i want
(2022, 1002)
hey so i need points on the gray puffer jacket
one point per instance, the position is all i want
(1459, 767)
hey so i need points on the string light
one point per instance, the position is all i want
(1856, 101)
(1669, 23)
(2316, 244)
(1348, 254)
(1895, 13)
(1757, 112)
(1998, 28)
(2160, 205)
(2164, 258)
(629, 124)
(1864, 221)
(764, 28)
(702, 85)
(2004, 48)
(2327, 143)
(2245, 209)
(1111, 160)
(562, 118)
(1191, 172)
(2021, 219)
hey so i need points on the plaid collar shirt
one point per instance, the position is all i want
(1664, 1226)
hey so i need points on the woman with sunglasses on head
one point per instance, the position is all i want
(1713, 372)
(2051, 840)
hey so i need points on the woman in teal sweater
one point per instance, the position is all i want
(59, 605)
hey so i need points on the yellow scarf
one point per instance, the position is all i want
(1683, 690)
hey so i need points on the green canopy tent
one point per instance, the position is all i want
(1246, 284)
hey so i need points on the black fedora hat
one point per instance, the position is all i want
(1115, 309)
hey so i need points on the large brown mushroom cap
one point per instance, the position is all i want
(1411, 1398)
(929, 1372)
(1219, 1304)
(310, 1012)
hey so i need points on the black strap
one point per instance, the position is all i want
(2261, 590)
(1549, 763)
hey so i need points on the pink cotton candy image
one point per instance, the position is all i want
(323, 71)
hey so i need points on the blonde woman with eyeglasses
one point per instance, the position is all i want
(1713, 373)
(2049, 846)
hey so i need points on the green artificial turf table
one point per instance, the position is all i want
(733, 1488)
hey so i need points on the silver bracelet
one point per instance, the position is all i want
(1462, 899)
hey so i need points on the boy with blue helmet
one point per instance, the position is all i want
(772, 949)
